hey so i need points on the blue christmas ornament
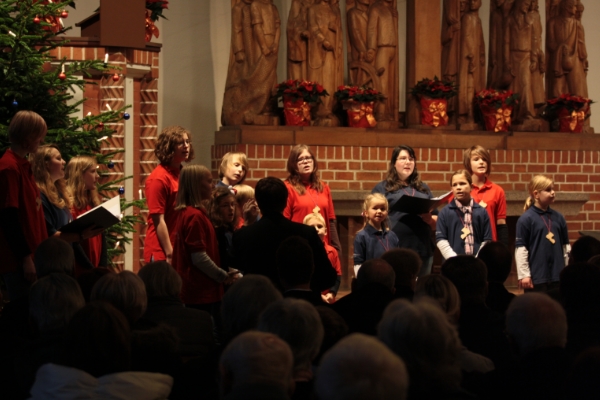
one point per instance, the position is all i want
(15, 104)
(110, 165)
(126, 116)
(121, 190)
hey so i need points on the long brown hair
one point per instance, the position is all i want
(189, 192)
(56, 192)
(74, 171)
(393, 181)
(294, 175)
(26, 125)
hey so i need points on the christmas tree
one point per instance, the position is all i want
(31, 79)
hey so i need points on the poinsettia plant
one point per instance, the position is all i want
(156, 8)
(568, 101)
(310, 92)
(496, 99)
(361, 94)
(435, 88)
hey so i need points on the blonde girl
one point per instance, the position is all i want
(317, 221)
(248, 211)
(223, 215)
(542, 243)
(463, 227)
(376, 237)
(487, 194)
(196, 250)
(82, 176)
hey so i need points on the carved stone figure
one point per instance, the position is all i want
(568, 54)
(452, 13)
(325, 58)
(237, 56)
(520, 57)
(247, 101)
(472, 63)
(356, 20)
(496, 62)
(297, 40)
(382, 49)
(537, 76)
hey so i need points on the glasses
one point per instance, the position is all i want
(305, 159)
(405, 159)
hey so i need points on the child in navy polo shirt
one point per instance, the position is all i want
(542, 244)
(463, 226)
(375, 238)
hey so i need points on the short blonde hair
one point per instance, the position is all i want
(190, 193)
(243, 193)
(539, 183)
(441, 289)
(227, 160)
(481, 152)
(367, 203)
(312, 216)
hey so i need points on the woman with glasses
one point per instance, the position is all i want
(307, 194)
(413, 231)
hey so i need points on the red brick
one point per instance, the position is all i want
(272, 164)
(369, 176)
(269, 151)
(339, 153)
(253, 164)
(588, 188)
(425, 156)
(338, 185)
(374, 166)
(277, 152)
(354, 185)
(569, 168)
(536, 168)
(369, 185)
(330, 151)
(437, 167)
(251, 151)
(348, 152)
(500, 156)
(344, 176)
(588, 169)
(431, 176)
(578, 178)
(282, 174)
(442, 155)
(364, 153)
(587, 226)
(260, 151)
(438, 186)
(513, 177)
(354, 165)
(373, 153)
(356, 152)
(502, 167)
(588, 207)
(339, 165)
(327, 175)
(569, 187)
(551, 168)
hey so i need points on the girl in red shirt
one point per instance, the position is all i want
(82, 176)
(307, 193)
(196, 250)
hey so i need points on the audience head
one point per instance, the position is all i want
(271, 195)
(534, 321)
(233, 168)
(98, 340)
(244, 301)
(168, 142)
(125, 291)
(161, 280)
(361, 367)
(582, 381)
(595, 260)
(334, 328)
(294, 260)
(498, 260)
(406, 264)
(27, 129)
(441, 289)
(54, 255)
(257, 358)
(469, 275)
(579, 284)
(376, 271)
(87, 280)
(583, 249)
(421, 335)
(298, 323)
(53, 300)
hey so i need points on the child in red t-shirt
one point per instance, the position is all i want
(317, 221)
(81, 175)
(22, 222)
(196, 250)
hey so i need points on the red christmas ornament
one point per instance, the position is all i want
(101, 125)
(36, 20)
(115, 77)
(62, 76)
(64, 14)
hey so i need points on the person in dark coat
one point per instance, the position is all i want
(254, 246)
(498, 260)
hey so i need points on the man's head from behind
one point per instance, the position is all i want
(271, 195)
(497, 259)
(406, 264)
(376, 271)
(54, 255)
(469, 275)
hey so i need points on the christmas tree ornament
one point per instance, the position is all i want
(115, 77)
(121, 190)
(101, 125)
(110, 165)
(126, 116)
(15, 104)
(64, 14)
(62, 76)
(36, 20)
